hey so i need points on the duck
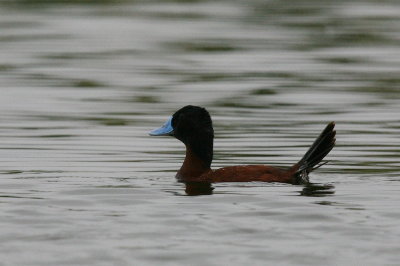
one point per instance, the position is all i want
(192, 125)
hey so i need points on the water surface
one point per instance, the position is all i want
(82, 84)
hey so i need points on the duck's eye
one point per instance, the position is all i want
(178, 119)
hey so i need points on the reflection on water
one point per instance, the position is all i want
(82, 82)
(309, 190)
(317, 190)
(197, 188)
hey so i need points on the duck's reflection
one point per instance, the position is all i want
(317, 190)
(198, 188)
(309, 190)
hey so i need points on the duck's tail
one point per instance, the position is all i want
(318, 150)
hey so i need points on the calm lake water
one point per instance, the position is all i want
(81, 85)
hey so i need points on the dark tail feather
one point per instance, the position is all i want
(318, 150)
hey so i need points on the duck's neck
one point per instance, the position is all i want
(194, 165)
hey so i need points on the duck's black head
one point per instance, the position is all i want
(193, 126)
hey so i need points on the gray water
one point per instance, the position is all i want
(81, 182)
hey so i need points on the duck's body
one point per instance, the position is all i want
(192, 125)
(240, 173)
(194, 170)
